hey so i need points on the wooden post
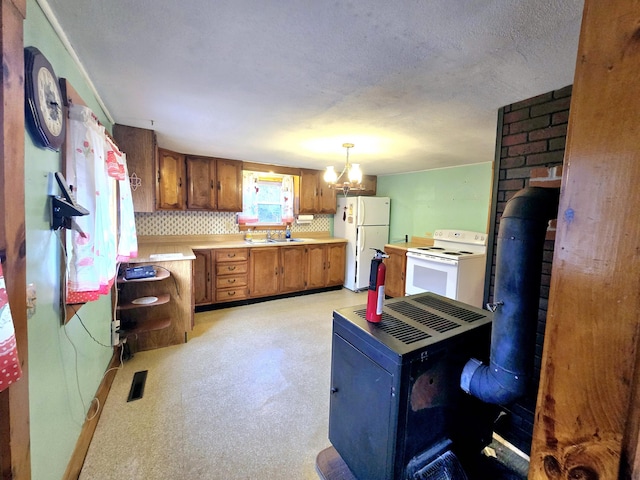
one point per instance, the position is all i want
(588, 380)
(15, 460)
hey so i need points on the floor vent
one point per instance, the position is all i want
(137, 385)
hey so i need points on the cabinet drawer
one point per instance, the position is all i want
(231, 294)
(230, 281)
(231, 268)
(231, 254)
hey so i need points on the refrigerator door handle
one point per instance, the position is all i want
(363, 239)
(361, 210)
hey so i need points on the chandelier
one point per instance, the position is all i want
(349, 179)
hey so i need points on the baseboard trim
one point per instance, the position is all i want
(86, 434)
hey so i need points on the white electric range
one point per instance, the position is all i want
(453, 267)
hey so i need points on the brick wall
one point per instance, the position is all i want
(530, 151)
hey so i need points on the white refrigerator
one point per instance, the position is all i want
(364, 222)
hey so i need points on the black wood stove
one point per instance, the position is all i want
(396, 403)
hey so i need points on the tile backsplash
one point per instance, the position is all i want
(207, 223)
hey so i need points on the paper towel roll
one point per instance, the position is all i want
(304, 219)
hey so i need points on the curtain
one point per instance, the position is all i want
(94, 167)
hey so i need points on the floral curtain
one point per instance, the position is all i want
(92, 164)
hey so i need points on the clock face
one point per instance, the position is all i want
(50, 101)
(44, 107)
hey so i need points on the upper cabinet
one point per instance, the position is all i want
(172, 176)
(229, 185)
(139, 144)
(201, 183)
(315, 195)
(198, 183)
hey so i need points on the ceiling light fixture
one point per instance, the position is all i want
(351, 173)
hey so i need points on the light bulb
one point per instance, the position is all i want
(355, 174)
(330, 175)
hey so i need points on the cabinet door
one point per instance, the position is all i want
(309, 191)
(292, 269)
(202, 277)
(370, 184)
(139, 144)
(229, 185)
(335, 264)
(170, 186)
(316, 266)
(201, 191)
(264, 271)
(395, 273)
(327, 197)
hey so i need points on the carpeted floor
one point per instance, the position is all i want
(246, 398)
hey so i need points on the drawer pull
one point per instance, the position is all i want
(231, 269)
(231, 294)
(231, 280)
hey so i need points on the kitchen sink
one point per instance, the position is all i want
(276, 240)
(285, 240)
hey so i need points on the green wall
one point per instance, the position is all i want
(421, 202)
(65, 364)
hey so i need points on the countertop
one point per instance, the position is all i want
(178, 247)
(415, 242)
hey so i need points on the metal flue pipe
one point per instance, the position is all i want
(519, 253)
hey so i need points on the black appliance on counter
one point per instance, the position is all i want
(396, 403)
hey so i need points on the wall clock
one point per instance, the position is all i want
(43, 101)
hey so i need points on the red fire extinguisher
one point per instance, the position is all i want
(375, 296)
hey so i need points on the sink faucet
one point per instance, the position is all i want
(268, 234)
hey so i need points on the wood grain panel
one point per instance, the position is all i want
(15, 456)
(592, 323)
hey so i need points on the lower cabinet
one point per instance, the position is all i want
(229, 274)
(265, 268)
(396, 269)
(325, 265)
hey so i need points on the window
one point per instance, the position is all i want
(267, 199)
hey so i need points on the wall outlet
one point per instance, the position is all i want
(115, 333)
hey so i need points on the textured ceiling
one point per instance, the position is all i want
(414, 84)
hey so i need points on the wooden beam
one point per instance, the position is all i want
(15, 459)
(589, 358)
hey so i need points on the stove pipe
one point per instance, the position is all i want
(519, 253)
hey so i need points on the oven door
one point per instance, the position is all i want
(427, 273)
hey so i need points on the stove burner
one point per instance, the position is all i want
(453, 253)
(466, 253)
(436, 248)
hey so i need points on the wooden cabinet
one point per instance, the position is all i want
(265, 269)
(335, 267)
(292, 269)
(370, 185)
(396, 270)
(202, 277)
(229, 185)
(231, 274)
(214, 184)
(201, 179)
(315, 196)
(148, 310)
(139, 144)
(171, 181)
(325, 265)
(198, 183)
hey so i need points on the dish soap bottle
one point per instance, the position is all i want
(287, 232)
(247, 236)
